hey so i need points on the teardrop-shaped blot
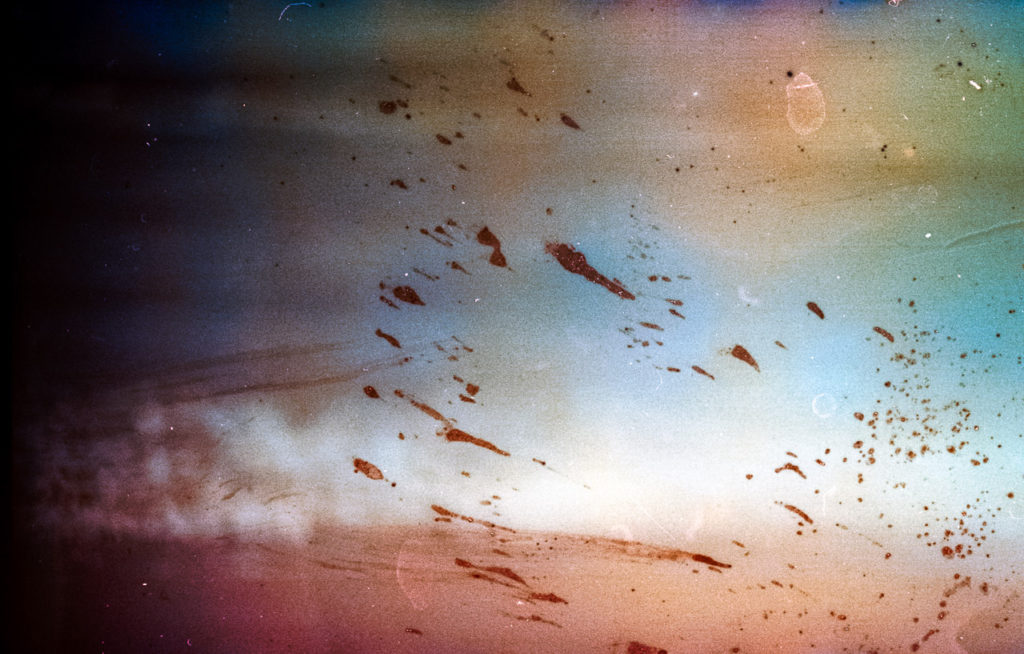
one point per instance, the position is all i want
(806, 105)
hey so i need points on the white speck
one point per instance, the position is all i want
(696, 93)
(928, 235)
(975, 84)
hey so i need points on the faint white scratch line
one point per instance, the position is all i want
(981, 234)
(292, 4)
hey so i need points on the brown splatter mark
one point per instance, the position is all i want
(436, 415)
(455, 265)
(413, 630)
(440, 510)
(367, 468)
(701, 558)
(569, 121)
(486, 238)
(389, 338)
(636, 647)
(651, 325)
(794, 468)
(407, 294)
(443, 140)
(397, 80)
(677, 314)
(673, 369)
(858, 415)
(371, 392)
(675, 303)
(453, 435)
(387, 106)
(503, 571)
(423, 273)
(472, 389)
(741, 353)
(466, 398)
(535, 618)
(399, 183)
(797, 511)
(781, 345)
(548, 597)
(576, 262)
(701, 371)
(434, 237)
(885, 334)
(816, 310)
(514, 85)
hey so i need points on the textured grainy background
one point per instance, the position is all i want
(257, 313)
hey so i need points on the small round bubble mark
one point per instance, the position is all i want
(805, 105)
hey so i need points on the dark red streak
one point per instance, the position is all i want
(569, 121)
(389, 338)
(700, 370)
(576, 263)
(794, 468)
(451, 434)
(548, 597)
(700, 558)
(798, 512)
(885, 334)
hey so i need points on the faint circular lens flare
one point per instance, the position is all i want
(824, 405)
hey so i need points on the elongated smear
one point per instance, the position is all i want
(576, 262)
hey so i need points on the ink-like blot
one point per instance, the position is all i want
(805, 105)
(486, 238)
(741, 353)
(576, 262)
(407, 294)
(367, 468)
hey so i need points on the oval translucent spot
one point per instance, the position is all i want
(805, 105)
(824, 405)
